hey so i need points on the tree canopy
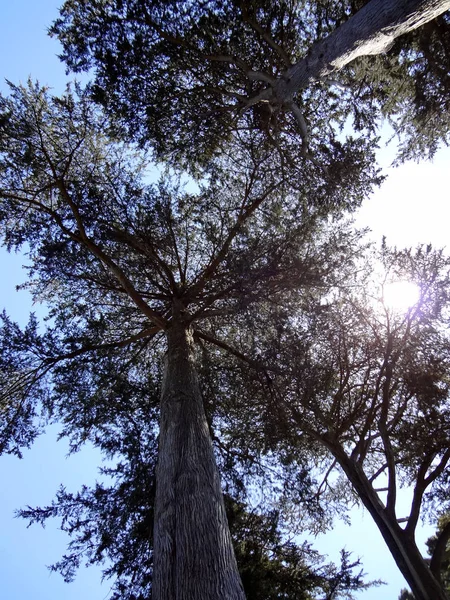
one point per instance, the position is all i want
(368, 384)
(116, 260)
(228, 333)
(187, 74)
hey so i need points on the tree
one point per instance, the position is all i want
(368, 385)
(439, 552)
(128, 269)
(113, 522)
(127, 261)
(184, 74)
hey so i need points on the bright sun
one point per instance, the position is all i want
(400, 295)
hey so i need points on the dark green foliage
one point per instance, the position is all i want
(294, 363)
(364, 388)
(185, 75)
(273, 569)
(18, 411)
(111, 255)
(357, 371)
(439, 550)
(411, 87)
(112, 523)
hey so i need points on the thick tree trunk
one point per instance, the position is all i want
(372, 30)
(402, 547)
(193, 554)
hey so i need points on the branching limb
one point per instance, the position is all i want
(144, 334)
(258, 366)
(423, 481)
(83, 238)
(378, 473)
(324, 481)
(222, 253)
(265, 35)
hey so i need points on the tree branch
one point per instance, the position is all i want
(438, 553)
(222, 253)
(265, 35)
(105, 259)
(253, 363)
(372, 30)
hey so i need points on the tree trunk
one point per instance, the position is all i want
(193, 553)
(372, 30)
(402, 546)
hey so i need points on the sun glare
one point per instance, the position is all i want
(400, 295)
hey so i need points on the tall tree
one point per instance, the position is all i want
(112, 522)
(368, 385)
(127, 268)
(248, 86)
(185, 74)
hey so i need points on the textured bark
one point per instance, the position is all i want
(372, 30)
(409, 560)
(193, 554)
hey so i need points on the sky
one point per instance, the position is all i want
(409, 208)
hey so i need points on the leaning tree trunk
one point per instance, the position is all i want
(409, 560)
(372, 30)
(193, 553)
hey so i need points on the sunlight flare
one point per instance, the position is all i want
(400, 295)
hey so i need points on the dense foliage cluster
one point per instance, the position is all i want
(187, 74)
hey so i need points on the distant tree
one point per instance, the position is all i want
(185, 74)
(439, 551)
(367, 385)
(138, 280)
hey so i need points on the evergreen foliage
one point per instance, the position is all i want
(112, 257)
(367, 385)
(306, 374)
(184, 74)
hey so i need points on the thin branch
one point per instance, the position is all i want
(105, 259)
(424, 481)
(177, 255)
(377, 473)
(327, 474)
(265, 35)
(438, 470)
(222, 253)
(258, 366)
(161, 267)
(144, 334)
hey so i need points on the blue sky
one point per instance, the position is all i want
(26, 50)
(408, 209)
